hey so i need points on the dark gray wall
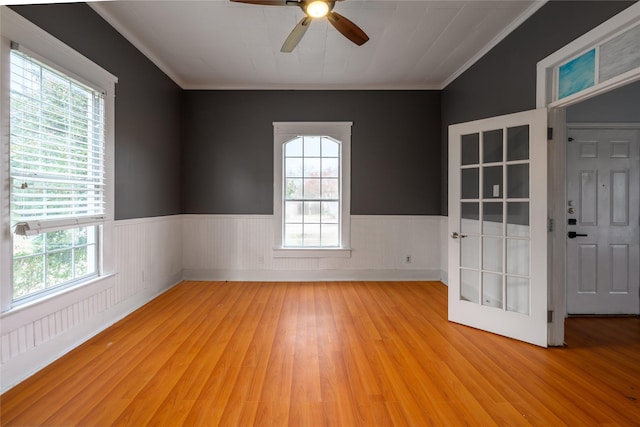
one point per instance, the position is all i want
(399, 143)
(504, 80)
(228, 148)
(621, 105)
(147, 134)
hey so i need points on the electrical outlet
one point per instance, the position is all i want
(407, 259)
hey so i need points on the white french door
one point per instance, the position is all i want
(498, 225)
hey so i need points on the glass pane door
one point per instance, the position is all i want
(497, 184)
(494, 220)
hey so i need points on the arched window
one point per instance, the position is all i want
(311, 187)
(311, 192)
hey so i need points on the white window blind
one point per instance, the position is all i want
(57, 149)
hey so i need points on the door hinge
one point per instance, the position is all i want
(550, 316)
(550, 224)
(549, 134)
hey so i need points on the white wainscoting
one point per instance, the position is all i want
(148, 261)
(240, 247)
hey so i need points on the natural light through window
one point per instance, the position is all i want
(312, 183)
(46, 260)
(312, 192)
(57, 111)
(57, 152)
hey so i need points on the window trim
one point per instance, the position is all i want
(286, 131)
(17, 29)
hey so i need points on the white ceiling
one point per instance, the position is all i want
(217, 44)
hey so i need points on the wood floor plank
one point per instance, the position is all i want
(275, 398)
(216, 391)
(340, 408)
(329, 354)
(144, 367)
(66, 395)
(76, 361)
(242, 404)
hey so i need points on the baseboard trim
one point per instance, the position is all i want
(444, 277)
(312, 276)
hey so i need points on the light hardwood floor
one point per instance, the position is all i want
(329, 354)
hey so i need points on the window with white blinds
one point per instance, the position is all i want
(57, 149)
(57, 111)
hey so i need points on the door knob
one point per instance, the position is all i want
(455, 235)
(573, 235)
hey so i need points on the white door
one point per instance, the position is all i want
(602, 217)
(497, 225)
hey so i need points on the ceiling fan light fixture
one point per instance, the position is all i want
(314, 9)
(317, 9)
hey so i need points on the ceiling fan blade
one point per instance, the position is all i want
(348, 28)
(296, 35)
(268, 2)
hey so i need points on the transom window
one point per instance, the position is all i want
(312, 192)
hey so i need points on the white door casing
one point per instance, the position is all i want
(546, 89)
(497, 225)
(603, 200)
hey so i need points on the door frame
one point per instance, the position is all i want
(595, 126)
(546, 84)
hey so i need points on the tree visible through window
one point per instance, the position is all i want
(312, 192)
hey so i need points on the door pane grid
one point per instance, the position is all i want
(497, 275)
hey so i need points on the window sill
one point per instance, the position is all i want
(53, 298)
(312, 253)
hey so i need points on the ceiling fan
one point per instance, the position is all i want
(314, 9)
